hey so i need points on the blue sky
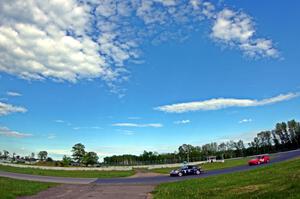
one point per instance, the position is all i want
(121, 77)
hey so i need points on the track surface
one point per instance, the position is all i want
(145, 180)
(160, 179)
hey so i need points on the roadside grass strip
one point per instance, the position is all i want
(73, 174)
(279, 180)
(11, 188)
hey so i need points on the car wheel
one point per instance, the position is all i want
(268, 161)
(258, 163)
(198, 172)
(180, 174)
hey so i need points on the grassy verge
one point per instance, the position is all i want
(62, 173)
(211, 166)
(281, 180)
(10, 188)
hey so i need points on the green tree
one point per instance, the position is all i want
(78, 151)
(279, 132)
(5, 154)
(275, 140)
(292, 128)
(240, 147)
(49, 159)
(66, 161)
(185, 150)
(285, 132)
(265, 140)
(222, 147)
(255, 144)
(42, 155)
(297, 131)
(90, 158)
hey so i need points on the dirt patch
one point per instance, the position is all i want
(94, 191)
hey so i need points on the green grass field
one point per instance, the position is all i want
(281, 180)
(10, 188)
(210, 166)
(74, 174)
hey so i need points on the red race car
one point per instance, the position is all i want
(259, 160)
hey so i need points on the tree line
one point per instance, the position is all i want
(79, 158)
(42, 156)
(285, 136)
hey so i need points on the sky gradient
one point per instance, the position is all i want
(123, 77)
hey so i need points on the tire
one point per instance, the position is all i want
(258, 163)
(268, 161)
(198, 172)
(180, 174)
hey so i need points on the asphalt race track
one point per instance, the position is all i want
(147, 180)
(160, 179)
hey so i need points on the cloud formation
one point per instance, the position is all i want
(134, 118)
(237, 29)
(6, 109)
(51, 136)
(4, 131)
(59, 121)
(59, 152)
(48, 39)
(72, 40)
(222, 103)
(127, 132)
(87, 128)
(155, 125)
(13, 94)
(182, 122)
(245, 120)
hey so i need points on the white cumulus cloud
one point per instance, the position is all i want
(72, 40)
(221, 103)
(48, 39)
(4, 131)
(6, 109)
(237, 29)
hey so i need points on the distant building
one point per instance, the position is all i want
(212, 159)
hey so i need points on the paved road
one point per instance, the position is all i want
(145, 180)
(160, 179)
